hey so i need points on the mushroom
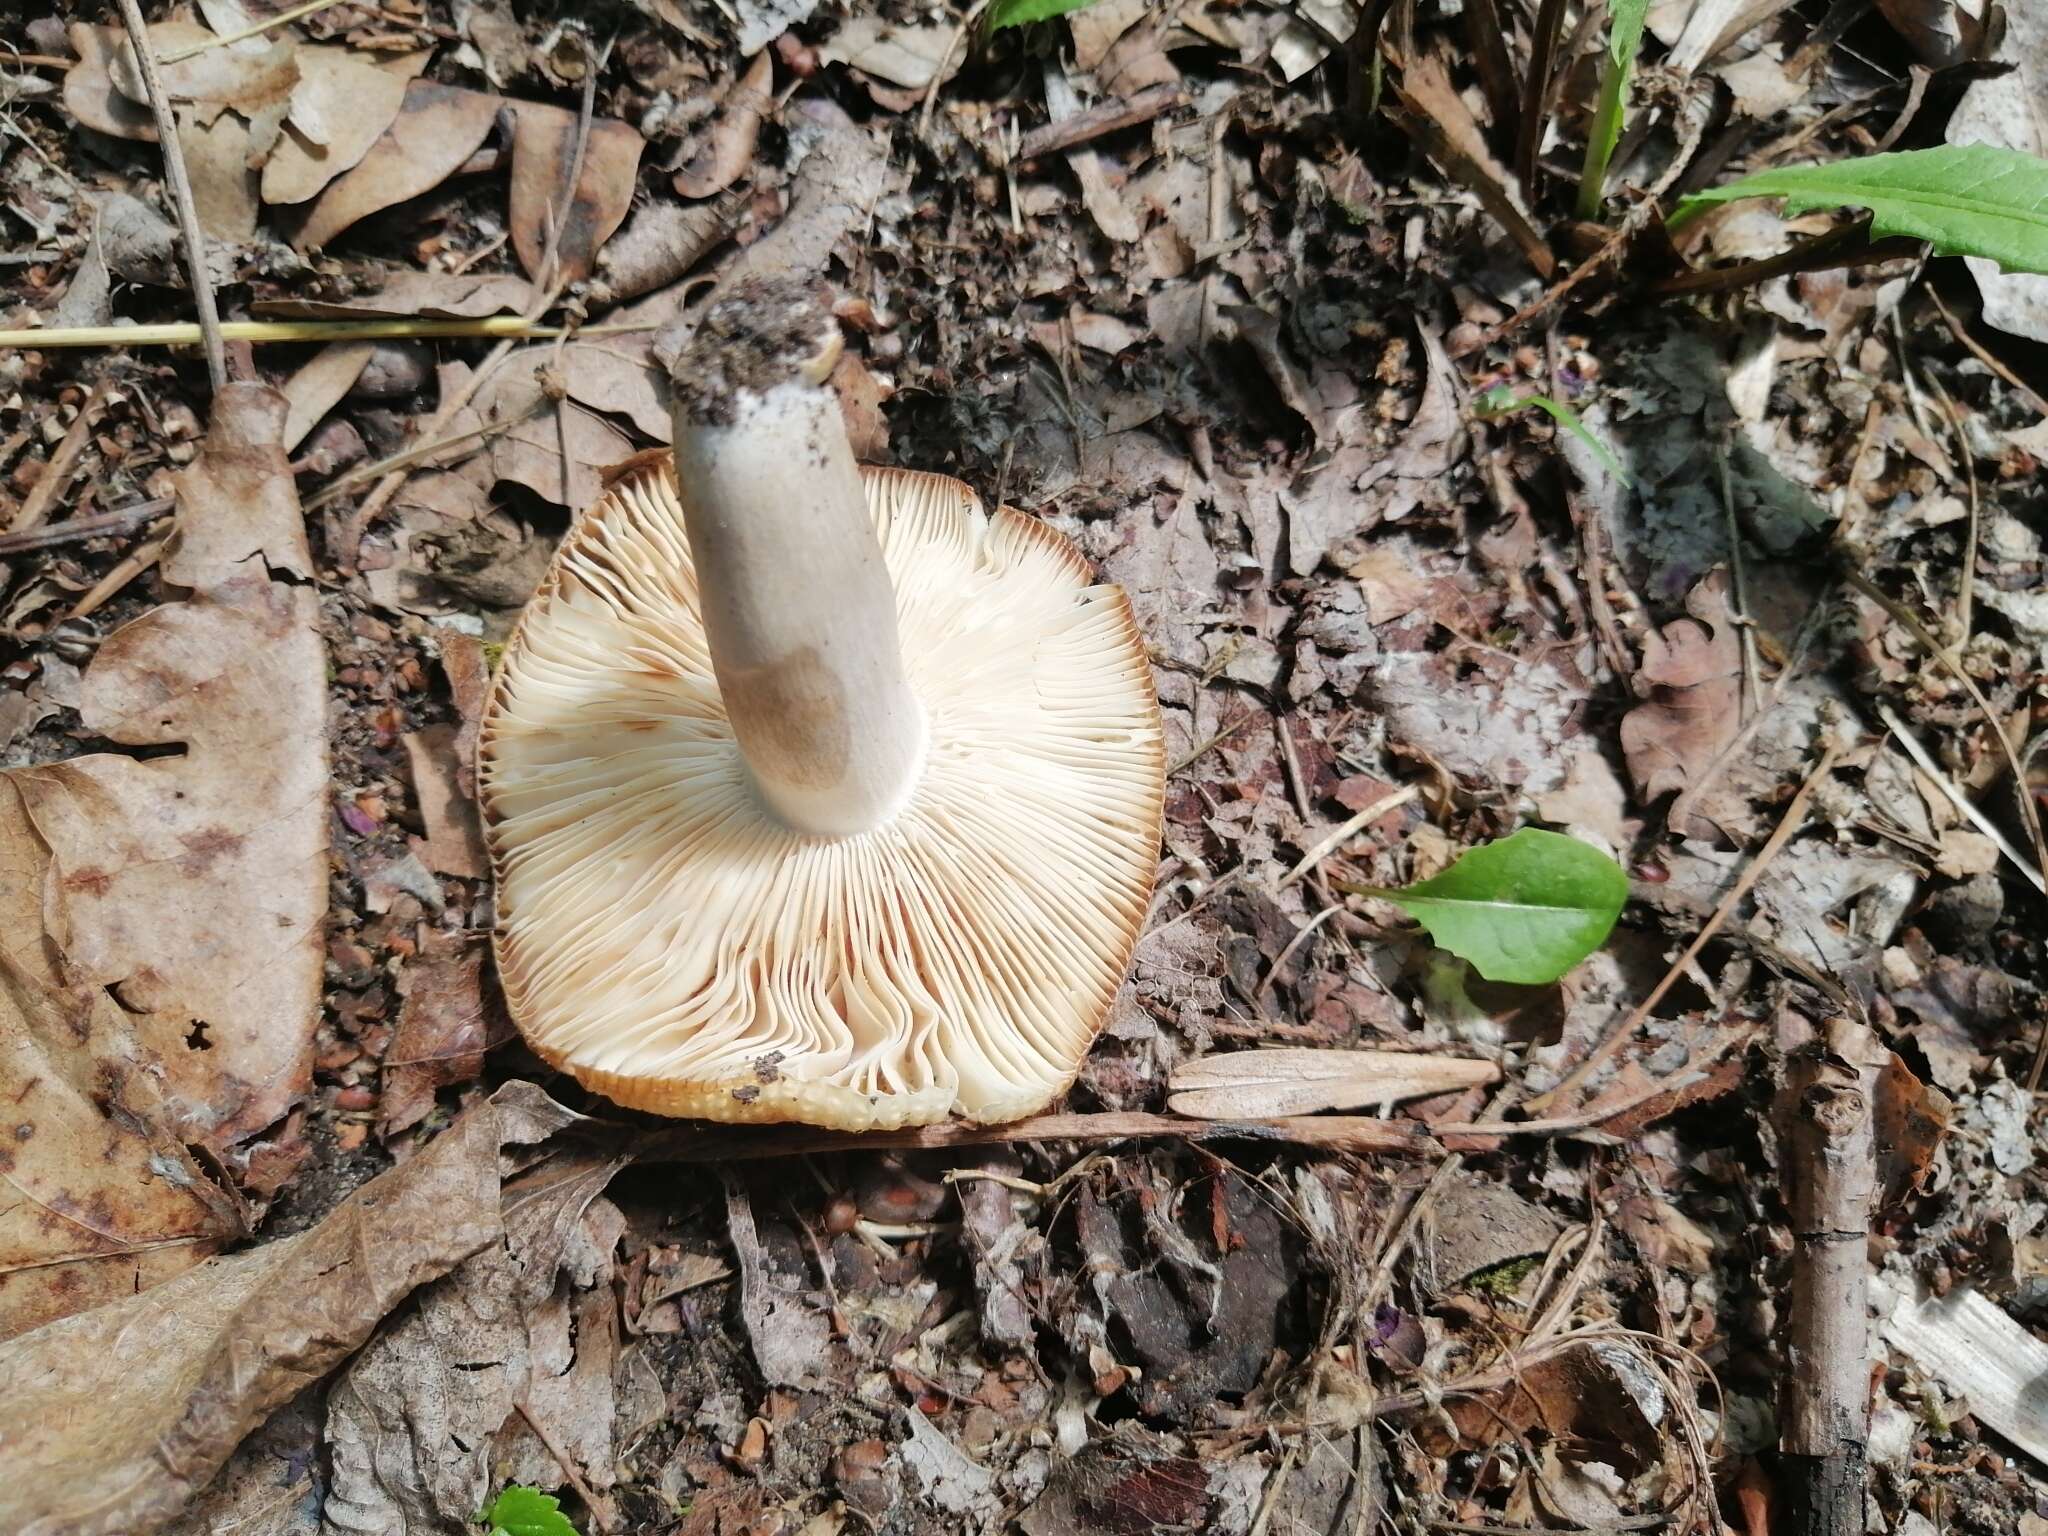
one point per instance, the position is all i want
(815, 792)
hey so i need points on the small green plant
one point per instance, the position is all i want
(1021, 13)
(1525, 909)
(1624, 41)
(1964, 199)
(1501, 400)
(522, 1511)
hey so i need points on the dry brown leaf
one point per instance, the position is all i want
(101, 1200)
(1691, 674)
(114, 1418)
(318, 387)
(217, 156)
(1257, 1085)
(255, 77)
(455, 833)
(552, 446)
(432, 295)
(193, 885)
(444, 1027)
(730, 151)
(437, 129)
(342, 106)
(469, 683)
(905, 56)
(543, 146)
(90, 95)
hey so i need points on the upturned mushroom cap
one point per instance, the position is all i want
(670, 942)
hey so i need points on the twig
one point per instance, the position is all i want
(1337, 1133)
(2032, 396)
(1924, 761)
(1745, 627)
(1555, 293)
(1966, 594)
(181, 333)
(931, 91)
(55, 479)
(1829, 1178)
(181, 195)
(1847, 246)
(1590, 1118)
(601, 1513)
(1788, 825)
(282, 18)
(1196, 753)
(81, 528)
(1350, 829)
(1111, 116)
(104, 590)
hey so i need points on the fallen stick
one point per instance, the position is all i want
(1334, 1133)
(183, 333)
(1828, 1176)
(1104, 117)
(193, 238)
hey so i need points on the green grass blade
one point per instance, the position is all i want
(1021, 13)
(1501, 401)
(1964, 199)
(1624, 40)
(1524, 909)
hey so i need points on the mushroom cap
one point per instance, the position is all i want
(676, 948)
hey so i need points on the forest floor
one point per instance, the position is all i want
(296, 1236)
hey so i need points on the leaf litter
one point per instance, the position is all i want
(1229, 340)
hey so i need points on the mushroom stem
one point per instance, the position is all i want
(799, 612)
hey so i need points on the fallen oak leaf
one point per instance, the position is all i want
(193, 885)
(1691, 675)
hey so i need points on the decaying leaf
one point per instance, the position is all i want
(436, 130)
(905, 56)
(193, 885)
(319, 385)
(1691, 674)
(430, 295)
(419, 1418)
(100, 1199)
(455, 838)
(1244, 1085)
(444, 1026)
(114, 1418)
(90, 95)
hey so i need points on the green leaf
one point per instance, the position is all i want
(1501, 400)
(1967, 199)
(1021, 13)
(1624, 41)
(520, 1511)
(1524, 909)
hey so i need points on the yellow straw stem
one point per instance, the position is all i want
(279, 20)
(183, 333)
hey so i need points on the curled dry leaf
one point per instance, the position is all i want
(1691, 672)
(437, 128)
(255, 77)
(343, 106)
(1257, 1085)
(731, 149)
(318, 387)
(905, 56)
(192, 885)
(543, 150)
(114, 1418)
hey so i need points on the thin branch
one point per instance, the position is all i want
(181, 195)
(182, 333)
(79, 529)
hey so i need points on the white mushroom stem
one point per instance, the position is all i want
(799, 613)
